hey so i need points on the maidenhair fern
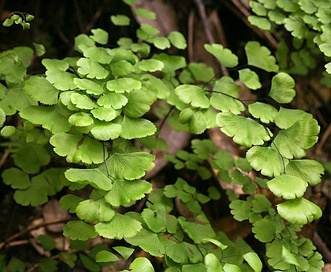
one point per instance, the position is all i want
(89, 110)
(309, 23)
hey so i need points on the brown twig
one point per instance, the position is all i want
(27, 230)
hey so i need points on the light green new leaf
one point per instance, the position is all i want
(265, 112)
(122, 85)
(260, 56)
(137, 128)
(91, 210)
(198, 123)
(105, 114)
(292, 141)
(308, 170)
(60, 79)
(125, 252)
(124, 193)
(296, 26)
(130, 166)
(287, 186)
(148, 241)
(226, 103)
(100, 36)
(7, 131)
(85, 232)
(16, 178)
(245, 131)
(155, 218)
(105, 131)
(287, 117)
(89, 176)
(250, 78)
(104, 256)
(2, 117)
(121, 226)
(49, 118)
(41, 90)
(98, 54)
(225, 96)
(193, 94)
(212, 263)
(139, 103)
(141, 264)
(299, 211)
(150, 65)
(121, 68)
(77, 148)
(260, 22)
(89, 86)
(161, 42)
(223, 55)
(266, 159)
(254, 261)
(91, 68)
(82, 101)
(223, 160)
(120, 20)
(145, 13)
(171, 63)
(177, 39)
(81, 119)
(112, 100)
(282, 86)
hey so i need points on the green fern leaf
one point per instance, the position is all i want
(85, 232)
(223, 55)
(100, 36)
(91, 69)
(124, 193)
(194, 95)
(250, 79)
(95, 211)
(260, 56)
(282, 86)
(121, 226)
(105, 131)
(292, 141)
(287, 117)
(77, 148)
(148, 241)
(308, 170)
(50, 118)
(94, 177)
(41, 90)
(265, 112)
(136, 128)
(266, 159)
(129, 166)
(287, 186)
(89, 86)
(81, 119)
(122, 85)
(112, 100)
(299, 211)
(244, 131)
